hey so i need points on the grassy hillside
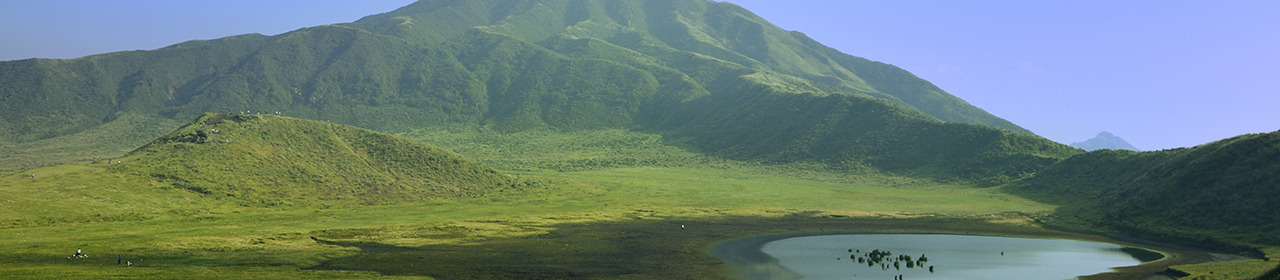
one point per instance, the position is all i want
(270, 160)
(1218, 194)
(45, 98)
(111, 139)
(766, 123)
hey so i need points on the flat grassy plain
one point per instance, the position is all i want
(174, 233)
(620, 220)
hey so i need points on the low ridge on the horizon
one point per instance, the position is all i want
(1105, 140)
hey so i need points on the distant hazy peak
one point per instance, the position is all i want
(1105, 140)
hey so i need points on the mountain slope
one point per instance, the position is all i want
(720, 30)
(299, 70)
(763, 123)
(45, 98)
(691, 70)
(1216, 194)
(270, 160)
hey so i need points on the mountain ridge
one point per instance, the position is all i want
(648, 65)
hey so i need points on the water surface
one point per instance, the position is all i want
(951, 256)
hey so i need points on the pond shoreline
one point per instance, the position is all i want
(747, 260)
(678, 247)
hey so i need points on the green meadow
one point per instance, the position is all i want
(252, 196)
(176, 233)
(173, 233)
(599, 204)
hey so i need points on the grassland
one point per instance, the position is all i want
(604, 204)
(598, 223)
(173, 233)
(1241, 269)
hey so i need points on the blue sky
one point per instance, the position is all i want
(1160, 74)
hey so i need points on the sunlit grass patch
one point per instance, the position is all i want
(1239, 269)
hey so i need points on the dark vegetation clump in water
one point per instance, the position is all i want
(886, 260)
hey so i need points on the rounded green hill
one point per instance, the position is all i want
(265, 159)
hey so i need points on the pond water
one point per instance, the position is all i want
(948, 256)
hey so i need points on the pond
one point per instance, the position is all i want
(924, 256)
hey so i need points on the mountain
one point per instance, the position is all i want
(708, 80)
(270, 160)
(721, 34)
(1217, 194)
(1104, 140)
(707, 76)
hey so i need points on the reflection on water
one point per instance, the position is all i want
(948, 257)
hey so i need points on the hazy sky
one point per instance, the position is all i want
(1160, 74)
